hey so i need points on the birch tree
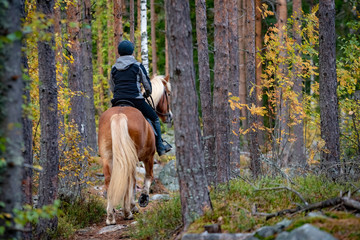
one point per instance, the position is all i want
(144, 38)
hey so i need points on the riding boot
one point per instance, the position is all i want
(160, 146)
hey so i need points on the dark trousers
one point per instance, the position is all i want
(142, 106)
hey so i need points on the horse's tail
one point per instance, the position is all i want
(124, 162)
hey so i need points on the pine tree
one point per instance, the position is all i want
(49, 151)
(194, 191)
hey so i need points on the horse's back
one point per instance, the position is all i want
(139, 130)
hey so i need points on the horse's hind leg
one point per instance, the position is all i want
(144, 197)
(110, 218)
(134, 208)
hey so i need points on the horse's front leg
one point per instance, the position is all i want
(144, 197)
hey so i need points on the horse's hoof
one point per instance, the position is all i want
(143, 200)
(129, 217)
(135, 209)
(108, 223)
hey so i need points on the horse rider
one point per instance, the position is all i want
(127, 75)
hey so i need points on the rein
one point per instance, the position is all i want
(152, 105)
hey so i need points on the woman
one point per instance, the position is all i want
(127, 76)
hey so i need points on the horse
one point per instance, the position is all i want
(124, 138)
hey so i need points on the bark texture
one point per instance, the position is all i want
(27, 135)
(77, 115)
(282, 116)
(87, 75)
(298, 156)
(242, 74)
(132, 22)
(11, 133)
(258, 65)
(234, 115)
(144, 38)
(49, 151)
(330, 158)
(255, 164)
(118, 26)
(221, 84)
(189, 151)
(205, 90)
(153, 37)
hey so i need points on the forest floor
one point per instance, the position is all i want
(118, 231)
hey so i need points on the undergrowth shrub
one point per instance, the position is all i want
(80, 214)
(233, 203)
(160, 222)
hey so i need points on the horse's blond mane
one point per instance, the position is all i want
(158, 87)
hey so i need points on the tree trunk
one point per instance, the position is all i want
(205, 90)
(221, 82)
(72, 188)
(153, 37)
(242, 72)
(234, 115)
(118, 27)
(283, 106)
(194, 191)
(110, 30)
(132, 22)
(166, 50)
(87, 74)
(299, 158)
(258, 72)
(139, 26)
(11, 132)
(100, 61)
(255, 164)
(27, 135)
(49, 151)
(330, 158)
(144, 38)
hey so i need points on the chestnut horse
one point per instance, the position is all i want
(125, 138)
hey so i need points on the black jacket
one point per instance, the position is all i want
(127, 76)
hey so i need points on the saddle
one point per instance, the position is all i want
(126, 103)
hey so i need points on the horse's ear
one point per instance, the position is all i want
(167, 78)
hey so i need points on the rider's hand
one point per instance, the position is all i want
(146, 94)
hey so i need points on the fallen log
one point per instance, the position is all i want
(347, 202)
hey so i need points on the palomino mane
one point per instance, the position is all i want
(157, 83)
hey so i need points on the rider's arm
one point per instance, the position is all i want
(111, 82)
(145, 80)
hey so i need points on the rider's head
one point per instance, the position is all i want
(125, 48)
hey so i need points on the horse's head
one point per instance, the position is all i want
(163, 109)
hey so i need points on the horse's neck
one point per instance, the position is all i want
(157, 91)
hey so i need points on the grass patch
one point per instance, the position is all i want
(160, 222)
(232, 203)
(80, 214)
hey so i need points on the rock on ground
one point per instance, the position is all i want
(168, 176)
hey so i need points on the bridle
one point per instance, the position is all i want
(167, 114)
